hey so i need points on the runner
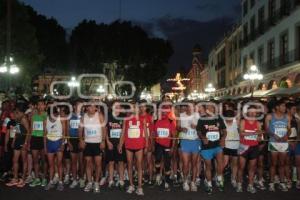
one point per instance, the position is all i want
(17, 131)
(73, 143)
(37, 144)
(163, 145)
(92, 134)
(250, 134)
(144, 116)
(232, 143)
(212, 132)
(114, 130)
(189, 145)
(135, 138)
(278, 127)
(53, 143)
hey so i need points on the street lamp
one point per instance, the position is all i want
(73, 82)
(252, 75)
(101, 89)
(210, 89)
(9, 67)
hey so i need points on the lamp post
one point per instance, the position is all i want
(73, 83)
(210, 89)
(10, 68)
(252, 75)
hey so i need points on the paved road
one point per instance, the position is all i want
(150, 193)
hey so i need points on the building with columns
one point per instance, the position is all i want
(270, 39)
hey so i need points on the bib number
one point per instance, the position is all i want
(74, 124)
(134, 133)
(251, 137)
(280, 132)
(163, 132)
(91, 132)
(115, 133)
(213, 136)
(37, 126)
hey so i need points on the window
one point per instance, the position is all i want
(245, 30)
(272, 8)
(252, 57)
(260, 56)
(252, 27)
(261, 18)
(284, 48)
(252, 3)
(245, 8)
(284, 7)
(271, 53)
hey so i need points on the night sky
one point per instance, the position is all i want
(183, 22)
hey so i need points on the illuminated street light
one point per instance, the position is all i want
(101, 89)
(210, 88)
(252, 75)
(73, 82)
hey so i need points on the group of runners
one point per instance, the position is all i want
(132, 145)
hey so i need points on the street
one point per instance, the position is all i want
(150, 193)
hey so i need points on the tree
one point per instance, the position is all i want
(139, 58)
(24, 45)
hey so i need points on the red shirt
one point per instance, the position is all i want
(164, 130)
(134, 134)
(6, 116)
(251, 140)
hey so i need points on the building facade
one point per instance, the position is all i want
(269, 37)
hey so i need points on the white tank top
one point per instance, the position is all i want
(232, 140)
(54, 129)
(186, 121)
(92, 129)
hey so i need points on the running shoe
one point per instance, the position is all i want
(139, 192)
(102, 181)
(130, 189)
(282, 187)
(67, 179)
(28, 179)
(44, 182)
(74, 184)
(49, 186)
(158, 180)
(220, 185)
(260, 185)
(298, 185)
(121, 185)
(55, 179)
(239, 188)
(193, 187)
(167, 187)
(186, 186)
(88, 187)
(251, 189)
(289, 184)
(198, 181)
(276, 179)
(81, 183)
(110, 184)
(96, 188)
(4, 177)
(60, 186)
(35, 182)
(233, 183)
(208, 189)
(271, 187)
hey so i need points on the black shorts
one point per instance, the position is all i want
(67, 153)
(161, 152)
(263, 149)
(114, 155)
(19, 142)
(2, 139)
(37, 143)
(75, 145)
(92, 149)
(230, 152)
(251, 153)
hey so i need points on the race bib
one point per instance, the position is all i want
(74, 124)
(251, 137)
(293, 132)
(5, 122)
(163, 132)
(53, 135)
(12, 133)
(37, 126)
(213, 136)
(91, 132)
(134, 132)
(115, 133)
(280, 132)
(191, 133)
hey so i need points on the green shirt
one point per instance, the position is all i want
(38, 124)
